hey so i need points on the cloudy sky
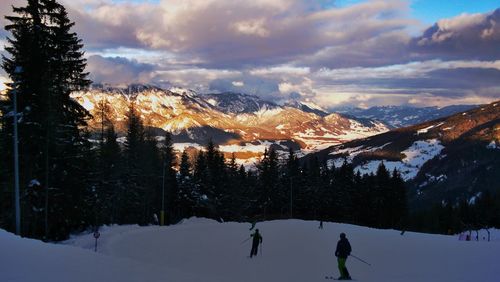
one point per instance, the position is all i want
(334, 53)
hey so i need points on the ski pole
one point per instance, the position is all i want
(245, 240)
(360, 259)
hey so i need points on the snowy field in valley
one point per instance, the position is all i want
(206, 251)
(416, 156)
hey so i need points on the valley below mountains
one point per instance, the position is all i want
(446, 160)
(238, 123)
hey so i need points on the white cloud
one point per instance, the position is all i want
(362, 54)
(3, 81)
(281, 70)
(252, 27)
(235, 33)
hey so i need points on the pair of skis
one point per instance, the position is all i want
(333, 278)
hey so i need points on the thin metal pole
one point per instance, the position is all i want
(359, 259)
(291, 197)
(16, 166)
(245, 240)
(162, 215)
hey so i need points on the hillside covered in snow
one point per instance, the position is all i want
(204, 250)
(443, 160)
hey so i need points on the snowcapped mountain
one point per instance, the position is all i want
(307, 107)
(226, 118)
(401, 116)
(237, 103)
(446, 159)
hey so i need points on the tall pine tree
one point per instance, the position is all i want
(51, 143)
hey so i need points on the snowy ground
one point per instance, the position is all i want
(416, 156)
(205, 251)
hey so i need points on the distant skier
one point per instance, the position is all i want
(342, 252)
(253, 224)
(321, 224)
(257, 239)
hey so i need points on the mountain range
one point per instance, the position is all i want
(447, 159)
(401, 116)
(240, 123)
(444, 160)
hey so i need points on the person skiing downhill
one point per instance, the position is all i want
(342, 252)
(257, 239)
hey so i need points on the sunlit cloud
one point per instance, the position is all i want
(365, 53)
(3, 81)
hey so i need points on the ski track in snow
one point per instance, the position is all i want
(206, 251)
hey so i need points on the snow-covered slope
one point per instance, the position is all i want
(447, 159)
(308, 107)
(204, 250)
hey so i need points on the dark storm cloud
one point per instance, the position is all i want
(118, 70)
(240, 34)
(474, 36)
(382, 50)
(451, 83)
(457, 80)
(295, 95)
(263, 87)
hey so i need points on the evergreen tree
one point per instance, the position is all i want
(267, 192)
(344, 184)
(52, 146)
(292, 164)
(111, 164)
(312, 189)
(239, 200)
(216, 186)
(233, 166)
(151, 174)
(369, 214)
(131, 196)
(187, 195)
(381, 204)
(201, 186)
(184, 167)
(323, 195)
(170, 181)
(399, 211)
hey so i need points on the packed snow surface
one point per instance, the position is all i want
(203, 250)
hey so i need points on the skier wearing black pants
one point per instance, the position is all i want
(342, 252)
(257, 239)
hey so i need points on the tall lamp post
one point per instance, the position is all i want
(291, 196)
(162, 212)
(17, 204)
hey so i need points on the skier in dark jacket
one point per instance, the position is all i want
(342, 252)
(257, 239)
